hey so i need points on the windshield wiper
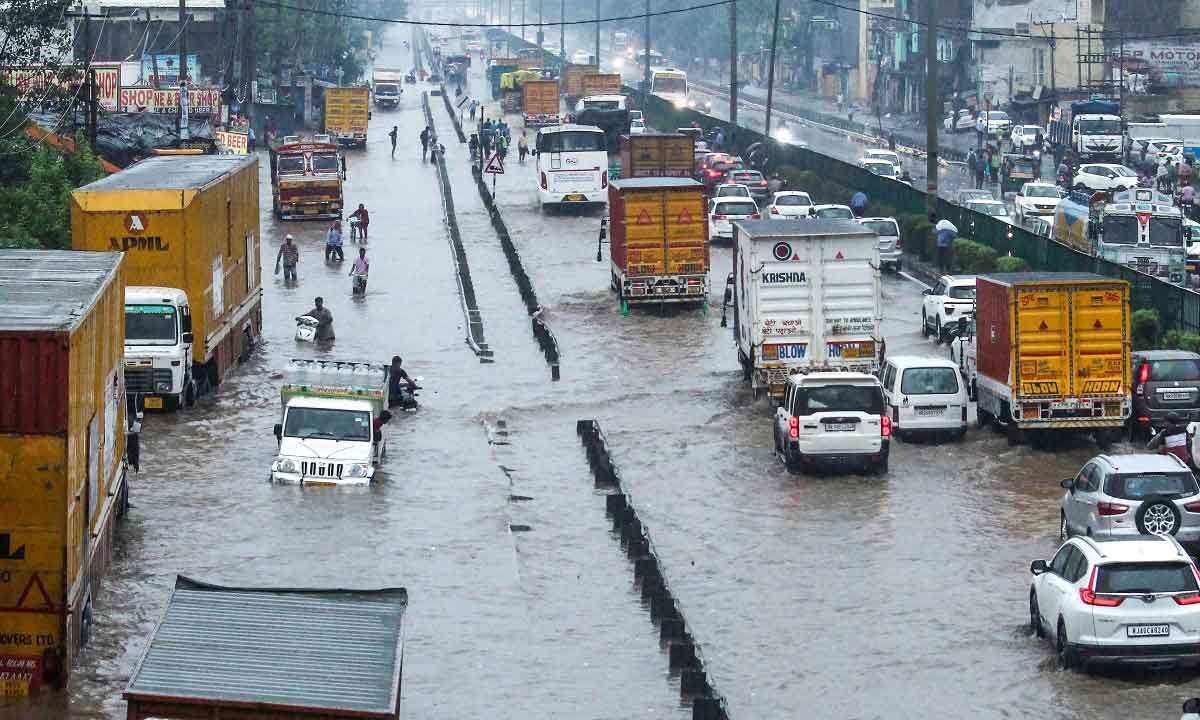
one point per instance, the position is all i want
(331, 436)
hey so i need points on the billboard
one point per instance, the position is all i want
(1169, 63)
(232, 143)
(34, 82)
(200, 101)
(167, 66)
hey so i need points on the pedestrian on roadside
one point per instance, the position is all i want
(719, 140)
(395, 131)
(892, 140)
(473, 146)
(987, 165)
(1185, 171)
(250, 138)
(502, 148)
(362, 219)
(1187, 200)
(522, 148)
(425, 137)
(858, 203)
(289, 257)
(945, 232)
(1172, 175)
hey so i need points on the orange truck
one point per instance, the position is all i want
(306, 181)
(63, 464)
(572, 79)
(659, 240)
(658, 155)
(540, 103)
(598, 83)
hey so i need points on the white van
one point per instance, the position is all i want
(924, 395)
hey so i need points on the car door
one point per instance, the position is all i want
(1053, 589)
(1077, 505)
(933, 301)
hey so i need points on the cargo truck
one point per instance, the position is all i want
(601, 84)
(347, 110)
(658, 155)
(498, 68)
(1052, 353)
(306, 181)
(539, 103)
(63, 439)
(805, 296)
(189, 227)
(331, 423)
(571, 81)
(659, 240)
(387, 87)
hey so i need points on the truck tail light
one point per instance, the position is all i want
(793, 427)
(1089, 597)
(1108, 509)
(1143, 376)
(545, 183)
(885, 426)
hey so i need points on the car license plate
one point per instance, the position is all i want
(930, 411)
(839, 427)
(153, 403)
(1147, 630)
(574, 198)
(1176, 396)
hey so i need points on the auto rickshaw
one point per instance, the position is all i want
(1016, 170)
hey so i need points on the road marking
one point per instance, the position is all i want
(913, 279)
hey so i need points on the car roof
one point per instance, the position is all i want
(1142, 548)
(1040, 183)
(959, 279)
(827, 207)
(1142, 462)
(985, 201)
(782, 193)
(908, 361)
(876, 219)
(833, 377)
(1166, 355)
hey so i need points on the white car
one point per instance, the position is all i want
(834, 212)
(942, 305)
(995, 208)
(732, 190)
(924, 395)
(1104, 176)
(882, 168)
(836, 418)
(964, 120)
(637, 127)
(636, 115)
(1133, 601)
(993, 122)
(788, 133)
(1034, 199)
(789, 204)
(876, 154)
(890, 248)
(723, 211)
(1025, 136)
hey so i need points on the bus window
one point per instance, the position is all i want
(571, 141)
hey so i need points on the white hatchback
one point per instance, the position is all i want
(924, 395)
(1134, 601)
(790, 204)
(724, 210)
(833, 418)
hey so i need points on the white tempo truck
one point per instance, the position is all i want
(332, 421)
(805, 295)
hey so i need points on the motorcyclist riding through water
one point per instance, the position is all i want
(359, 271)
(401, 387)
(1172, 439)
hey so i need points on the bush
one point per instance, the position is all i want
(1011, 263)
(972, 257)
(1145, 329)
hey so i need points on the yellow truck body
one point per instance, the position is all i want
(347, 110)
(190, 223)
(598, 83)
(540, 102)
(62, 454)
(658, 239)
(572, 78)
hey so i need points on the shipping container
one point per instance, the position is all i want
(572, 79)
(658, 155)
(188, 225)
(1052, 352)
(540, 103)
(659, 240)
(601, 84)
(63, 473)
(347, 110)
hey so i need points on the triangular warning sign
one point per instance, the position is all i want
(1043, 326)
(495, 165)
(685, 217)
(1097, 326)
(643, 217)
(46, 604)
(839, 256)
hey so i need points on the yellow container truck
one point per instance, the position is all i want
(63, 466)
(189, 227)
(347, 110)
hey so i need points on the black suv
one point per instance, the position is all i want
(1163, 381)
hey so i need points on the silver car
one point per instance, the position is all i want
(890, 248)
(1117, 496)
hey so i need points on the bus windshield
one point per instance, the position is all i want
(669, 84)
(1120, 230)
(571, 141)
(1166, 232)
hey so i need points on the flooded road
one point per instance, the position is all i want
(813, 596)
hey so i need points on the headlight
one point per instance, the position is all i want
(783, 135)
(357, 470)
(679, 104)
(691, 103)
(618, 63)
(286, 466)
(162, 386)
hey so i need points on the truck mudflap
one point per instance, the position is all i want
(660, 289)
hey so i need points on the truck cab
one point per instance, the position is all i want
(1096, 132)
(331, 429)
(158, 347)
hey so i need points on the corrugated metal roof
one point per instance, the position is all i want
(170, 172)
(653, 183)
(1041, 277)
(330, 650)
(51, 289)
(801, 228)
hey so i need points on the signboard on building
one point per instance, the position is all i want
(163, 68)
(232, 143)
(200, 101)
(34, 83)
(1169, 63)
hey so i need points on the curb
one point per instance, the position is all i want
(462, 138)
(683, 652)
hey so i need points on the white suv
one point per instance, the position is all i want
(951, 298)
(833, 418)
(1133, 601)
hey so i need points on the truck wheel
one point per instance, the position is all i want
(1105, 437)
(1012, 432)
(613, 283)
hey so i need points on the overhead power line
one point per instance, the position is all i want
(370, 18)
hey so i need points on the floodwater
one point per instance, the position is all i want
(840, 596)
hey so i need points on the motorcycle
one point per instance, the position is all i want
(306, 328)
(358, 283)
(406, 399)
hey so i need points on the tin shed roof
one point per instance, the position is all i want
(656, 183)
(327, 651)
(170, 172)
(51, 289)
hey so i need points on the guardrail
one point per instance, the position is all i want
(466, 287)
(683, 652)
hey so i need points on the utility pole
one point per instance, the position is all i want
(931, 108)
(522, 19)
(562, 33)
(597, 61)
(771, 70)
(646, 61)
(181, 119)
(250, 66)
(508, 37)
(733, 62)
(541, 34)
(93, 114)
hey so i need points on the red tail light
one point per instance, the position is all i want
(545, 183)
(714, 173)
(885, 426)
(1089, 597)
(774, 210)
(604, 180)
(1143, 373)
(764, 183)
(1192, 507)
(1108, 508)
(899, 242)
(794, 427)
(756, 216)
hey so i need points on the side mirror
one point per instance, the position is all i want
(1068, 484)
(278, 431)
(1037, 567)
(187, 338)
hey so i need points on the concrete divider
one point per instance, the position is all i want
(472, 316)
(684, 655)
(462, 138)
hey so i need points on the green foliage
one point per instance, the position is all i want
(1145, 329)
(31, 32)
(294, 38)
(35, 189)
(972, 257)
(1011, 263)
(1177, 340)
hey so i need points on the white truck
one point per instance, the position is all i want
(805, 295)
(158, 343)
(387, 87)
(331, 429)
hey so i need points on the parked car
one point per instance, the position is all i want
(883, 168)
(1134, 601)
(732, 190)
(924, 396)
(890, 248)
(880, 154)
(1127, 495)
(1164, 381)
(995, 123)
(637, 127)
(723, 211)
(715, 171)
(963, 120)
(1104, 176)
(834, 212)
(833, 418)
(942, 305)
(1036, 198)
(789, 204)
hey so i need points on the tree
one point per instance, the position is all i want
(35, 189)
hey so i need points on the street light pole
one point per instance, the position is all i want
(541, 34)
(646, 60)
(597, 32)
(562, 33)
(931, 108)
(771, 70)
(522, 20)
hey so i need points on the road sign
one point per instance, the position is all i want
(495, 165)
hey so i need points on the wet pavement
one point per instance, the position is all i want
(840, 596)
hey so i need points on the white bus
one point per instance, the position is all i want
(572, 165)
(671, 85)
